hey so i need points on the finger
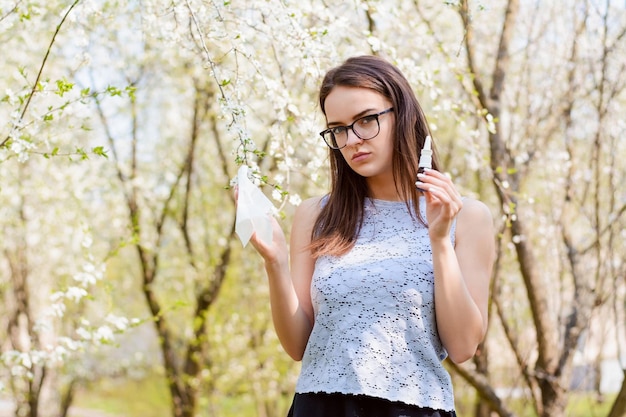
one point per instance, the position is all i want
(437, 178)
(429, 183)
(264, 250)
(440, 197)
(440, 180)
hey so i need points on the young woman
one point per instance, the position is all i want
(385, 277)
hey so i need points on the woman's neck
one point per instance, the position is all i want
(382, 190)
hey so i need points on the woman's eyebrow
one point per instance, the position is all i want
(356, 116)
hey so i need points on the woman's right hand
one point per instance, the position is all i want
(276, 251)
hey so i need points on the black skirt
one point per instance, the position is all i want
(344, 405)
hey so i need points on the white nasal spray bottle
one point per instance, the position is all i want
(425, 158)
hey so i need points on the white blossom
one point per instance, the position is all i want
(87, 241)
(295, 199)
(104, 334)
(84, 333)
(69, 343)
(119, 322)
(277, 195)
(75, 294)
(57, 310)
(491, 125)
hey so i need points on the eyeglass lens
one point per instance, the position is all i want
(365, 128)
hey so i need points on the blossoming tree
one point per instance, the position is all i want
(124, 122)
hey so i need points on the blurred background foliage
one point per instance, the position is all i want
(124, 288)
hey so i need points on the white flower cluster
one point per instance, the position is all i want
(104, 333)
(88, 276)
(54, 348)
(20, 147)
(23, 364)
(256, 87)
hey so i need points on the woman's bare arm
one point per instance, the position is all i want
(290, 281)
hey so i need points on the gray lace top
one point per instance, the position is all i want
(375, 332)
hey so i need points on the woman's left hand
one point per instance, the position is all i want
(443, 202)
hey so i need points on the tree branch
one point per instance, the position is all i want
(471, 54)
(41, 67)
(483, 387)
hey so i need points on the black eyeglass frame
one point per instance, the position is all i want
(351, 127)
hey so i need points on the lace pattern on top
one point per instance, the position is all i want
(375, 332)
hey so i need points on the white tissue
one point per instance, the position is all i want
(253, 210)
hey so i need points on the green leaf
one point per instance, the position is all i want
(81, 152)
(53, 153)
(130, 90)
(512, 207)
(63, 87)
(99, 150)
(113, 91)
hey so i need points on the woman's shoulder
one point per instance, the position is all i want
(474, 207)
(304, 220)
(474, 216)
(309, 209)
(315, 201)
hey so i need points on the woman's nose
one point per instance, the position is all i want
(353, 139)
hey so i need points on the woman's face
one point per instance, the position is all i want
(368, 158)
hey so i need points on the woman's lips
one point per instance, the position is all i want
(359, 156)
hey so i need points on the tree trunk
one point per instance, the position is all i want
(182, 366)
(551, 363)
(67, 398)
(20, 323)
(619, 406)
(482, 408)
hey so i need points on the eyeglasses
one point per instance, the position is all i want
(366, 128)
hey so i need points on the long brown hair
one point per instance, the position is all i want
(341, 215)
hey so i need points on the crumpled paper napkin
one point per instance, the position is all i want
(253, 210)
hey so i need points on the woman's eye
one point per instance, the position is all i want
(338, 130)
(366, 120)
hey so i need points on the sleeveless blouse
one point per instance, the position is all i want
(375, 332)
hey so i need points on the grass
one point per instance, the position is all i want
(580, 404)
(585, 405)
(128, 398)
(150, 398)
